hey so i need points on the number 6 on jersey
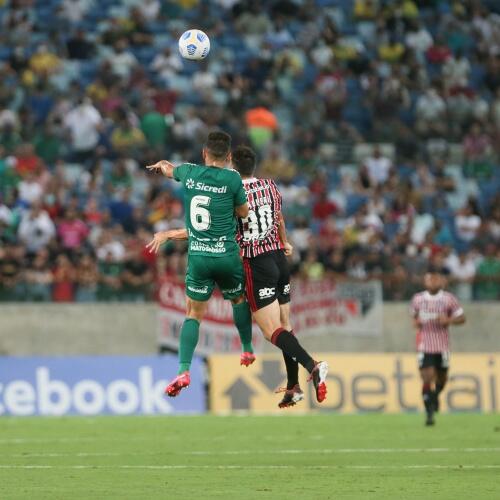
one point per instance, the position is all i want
(200, 217)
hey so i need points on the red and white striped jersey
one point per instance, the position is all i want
(432, 337)
(258, 233)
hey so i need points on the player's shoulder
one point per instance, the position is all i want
(188, 164)
(449, 296)
(232, 173)
(418, 296)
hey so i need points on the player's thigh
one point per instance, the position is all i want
(229, 275)
(283, 288)
(268, 318)
(199, 281)
(428, 364)
(262, 280)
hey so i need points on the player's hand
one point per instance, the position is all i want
(444, 320)
(163, 166)
(159, 238)
(288, 249)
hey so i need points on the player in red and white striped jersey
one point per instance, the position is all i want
(262, 239)
(260, 232)
(433, 311)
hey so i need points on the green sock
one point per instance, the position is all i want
(190, 333)
(243, 321)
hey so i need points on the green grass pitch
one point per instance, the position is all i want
(323, 456)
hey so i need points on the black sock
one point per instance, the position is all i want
(288, 343)
(292, 371)
(439, 388)
(427, 397)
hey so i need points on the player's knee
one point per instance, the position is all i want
(238, 300)
(196, 310)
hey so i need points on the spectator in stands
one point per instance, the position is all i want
(378, 167)
(110, 271)
(36, 229)
(467, 222)
(431, 114)
(87, 279)
(478, 151)
(64, 275)
(44, 62)
(324, 207)
(72, 231)
(127, 139)
(84, 123)
(456, 72)
(10, 272)
(38, 278)
(122, 60)
(488, 275)
(79, 47)
(493, 226)
(261, 124)
(418, 39)
(30, 189)
(167, 64)
(75, 10)
(462, 269)
(311, 268)
(136, 277)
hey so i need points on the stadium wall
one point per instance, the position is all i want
(132, 329)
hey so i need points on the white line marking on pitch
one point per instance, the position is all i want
(325, 451)
(246, 467)
(328, 451)
(267, 452)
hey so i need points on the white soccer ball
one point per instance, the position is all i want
(194, 45)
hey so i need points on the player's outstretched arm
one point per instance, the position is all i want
(287, 247)
(164, 166)
(241, 210)
(163, 236)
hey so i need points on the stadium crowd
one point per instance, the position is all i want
(379, 119)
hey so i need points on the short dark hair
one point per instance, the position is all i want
(244, 160)
(218, 145)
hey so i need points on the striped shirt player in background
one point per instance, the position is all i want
(433, 311)
(264, 246)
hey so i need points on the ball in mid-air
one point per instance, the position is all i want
(194, 45)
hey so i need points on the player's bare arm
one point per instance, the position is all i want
(450, 320)
(164, 236)
(163, 166)
(241, 210)
(287, 247)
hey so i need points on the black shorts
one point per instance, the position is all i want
(439, 360)
(267, 279)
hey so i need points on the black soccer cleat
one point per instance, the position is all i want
(430, 419)
(292, 396)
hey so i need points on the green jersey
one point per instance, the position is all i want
(210, 196)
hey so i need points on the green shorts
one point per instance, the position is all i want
(203, 273)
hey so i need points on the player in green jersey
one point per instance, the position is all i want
(213, 197)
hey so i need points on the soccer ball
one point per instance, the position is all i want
(194, 45)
